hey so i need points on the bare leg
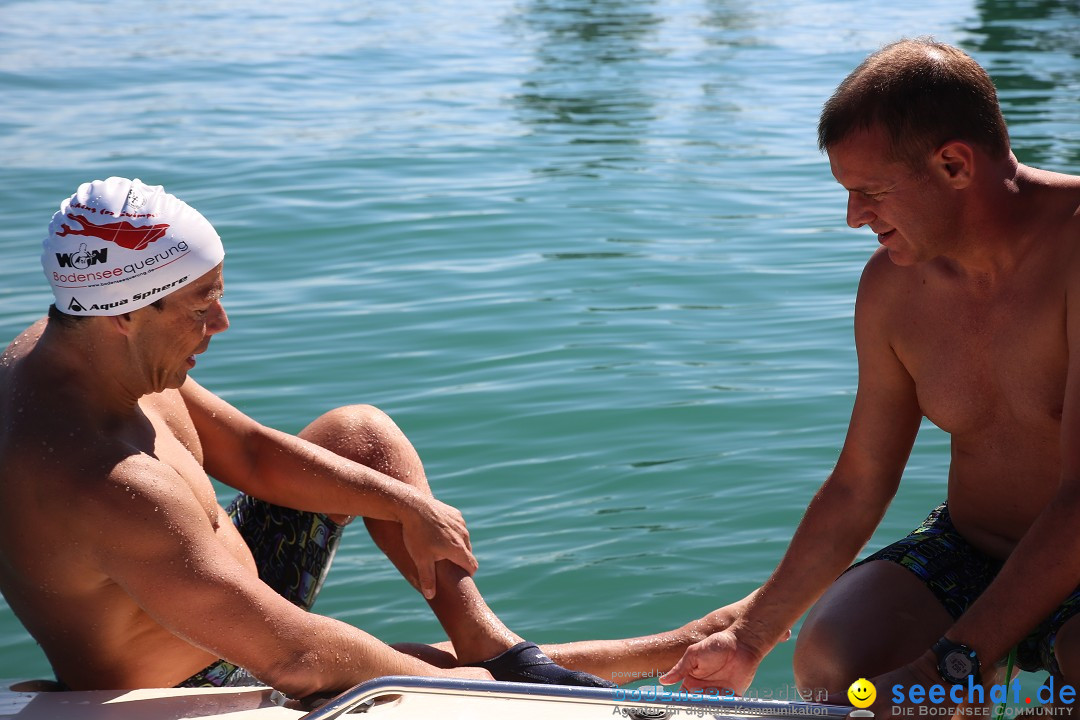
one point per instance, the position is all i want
(368, 436)
(631, 659)
(1067, 652)
(621, 661)
(873, 619)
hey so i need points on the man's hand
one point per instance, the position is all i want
(434, 531)
(719, 661)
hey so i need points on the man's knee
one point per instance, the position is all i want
(347, 420)
(822, 658)
(367, 435)
(873, 619)
(1067, 651)
(356, 432)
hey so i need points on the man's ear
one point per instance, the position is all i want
(121, 323)
(955, 161)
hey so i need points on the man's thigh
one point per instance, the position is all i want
(875, 618)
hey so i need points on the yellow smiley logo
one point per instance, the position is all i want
(862, 693)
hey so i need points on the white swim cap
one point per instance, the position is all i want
(118, 245)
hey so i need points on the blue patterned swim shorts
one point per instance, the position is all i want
(957, 573)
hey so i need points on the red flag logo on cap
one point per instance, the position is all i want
(122, 233)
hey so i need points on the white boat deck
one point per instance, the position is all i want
(393, 698)
(156, 704)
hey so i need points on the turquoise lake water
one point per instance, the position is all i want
(585, 252)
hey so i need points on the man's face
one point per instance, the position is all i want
(902, 205)
(169, 339)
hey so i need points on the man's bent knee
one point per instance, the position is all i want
(367, 435)
(1067, 651)
(348, 420)
(362, 433)
(821, 659)
(873, 619)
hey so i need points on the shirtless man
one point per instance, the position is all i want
(113, 549)
(969, 315)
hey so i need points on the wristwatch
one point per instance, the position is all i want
(955, 662)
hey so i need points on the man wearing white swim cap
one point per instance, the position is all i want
(114, 551)
(118, 245)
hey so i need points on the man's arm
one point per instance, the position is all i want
(286, 470)
(842, 515)
(163, 551)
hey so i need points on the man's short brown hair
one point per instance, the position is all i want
(923, 93)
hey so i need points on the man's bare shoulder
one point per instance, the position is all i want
(43, 428)
(12, 359)
(879, 268)
(22, 341)
(57, 467)
(1049, 178)
(884, 283)
(66, 471)
(46, 420)
(1072, 222)
(1056, 200)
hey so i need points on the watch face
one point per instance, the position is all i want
(957, 665)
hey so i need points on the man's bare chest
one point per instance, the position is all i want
(985, 364)
(176, 443)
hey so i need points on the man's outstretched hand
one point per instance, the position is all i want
(719, 661)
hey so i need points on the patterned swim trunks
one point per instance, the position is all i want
(957, 573)
(293, 551)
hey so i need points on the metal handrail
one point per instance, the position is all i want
(400, 685)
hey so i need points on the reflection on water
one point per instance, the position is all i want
(600, 31)
(585, 86)
(1030, 49)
